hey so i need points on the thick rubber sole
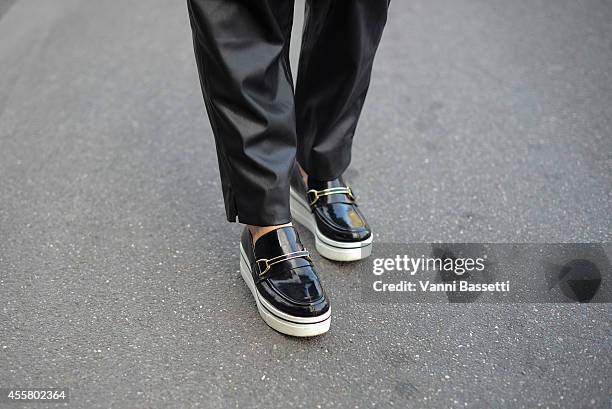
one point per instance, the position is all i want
(280, 321)
(328, 248)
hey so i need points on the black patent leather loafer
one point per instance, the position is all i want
(281, 277)
(329, 210)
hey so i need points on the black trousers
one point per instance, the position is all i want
(261, 125)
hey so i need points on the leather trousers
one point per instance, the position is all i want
(261, 123)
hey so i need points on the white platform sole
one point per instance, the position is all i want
(278, 320)
(328, 248)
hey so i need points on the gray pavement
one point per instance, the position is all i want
(5, 5)
(487, 121)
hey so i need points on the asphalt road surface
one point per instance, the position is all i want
(487, 121)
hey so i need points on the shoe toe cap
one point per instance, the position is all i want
(342, 222)
(297, 293)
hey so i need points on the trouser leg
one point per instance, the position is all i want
(241, 49)
(338, 46)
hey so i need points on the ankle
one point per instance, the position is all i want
(303, 174)
(258, 231)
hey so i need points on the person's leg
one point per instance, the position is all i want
(338, 47)
(241, 50)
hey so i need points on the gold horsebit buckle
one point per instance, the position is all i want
(269, 262)
(314, 195)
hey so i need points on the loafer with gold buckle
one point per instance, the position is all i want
(280, 274)
(329, 210)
